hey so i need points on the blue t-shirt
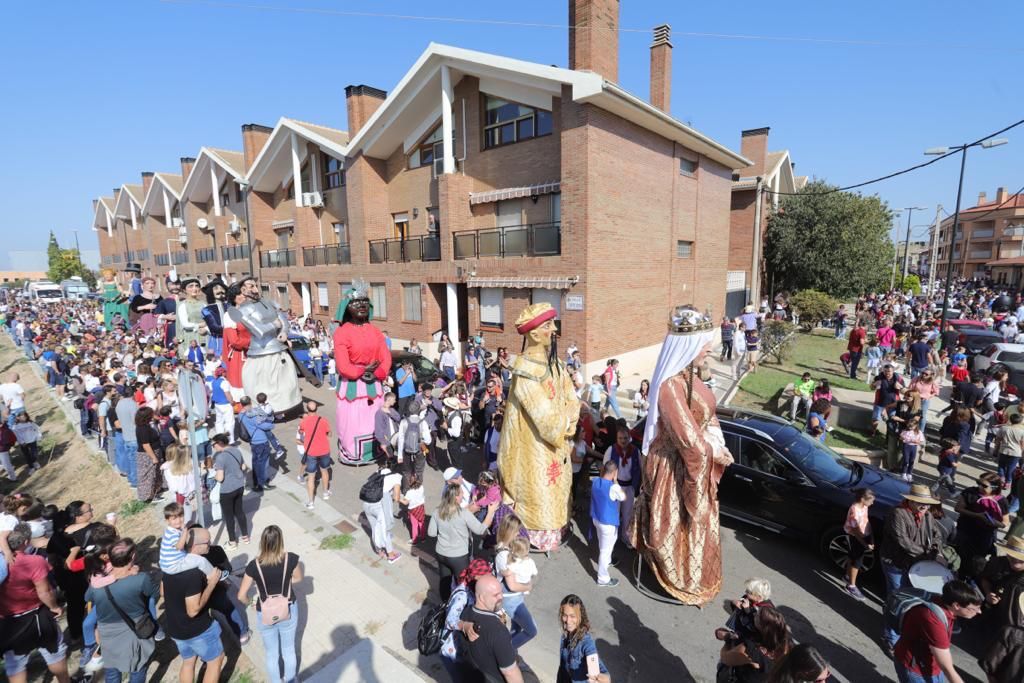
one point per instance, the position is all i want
(407, 383)
(919, 352)
(573, 660)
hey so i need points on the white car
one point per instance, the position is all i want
(1010, 355)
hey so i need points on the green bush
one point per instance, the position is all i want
(913, 283)
(777, 339)
(814, 306)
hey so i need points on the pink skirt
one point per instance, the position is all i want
(355, 426)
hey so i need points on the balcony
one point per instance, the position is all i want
(983, 233)
(1014, 231)
(537, 239)
(206, 255)
(327, 255)
(278, 258)
(237, 252)
(981, 254)
(425, 248)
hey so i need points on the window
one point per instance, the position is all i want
(760, 457)
(340, 233)
(430, 151)
(687, 167)
(684, 248)
(238, 193)
(334, 174)
(321, 296)
(225, 199)
(378, 299)
(492, 305)
(556, 207)
(508, 122)
(549, 296)
(305, 174)
(412, 307)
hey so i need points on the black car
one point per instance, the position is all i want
(787, 482)
(423, 368)
(975, 341)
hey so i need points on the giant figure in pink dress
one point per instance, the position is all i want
(363, 361)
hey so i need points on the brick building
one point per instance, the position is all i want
(482, 183)
(754, 196)
(990, 241)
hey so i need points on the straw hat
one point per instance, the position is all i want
(1014, 547)
(919, 493)
(451, 403)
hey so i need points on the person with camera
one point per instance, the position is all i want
(189, 624)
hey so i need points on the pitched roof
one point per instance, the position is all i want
(234, 160)
(1012, 202)
(339, 137)
(274, 160)
(135, 191)
(173, 181)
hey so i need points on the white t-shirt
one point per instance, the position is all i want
(415, 497)
(7, 522)
(391, 480)
(12, 395)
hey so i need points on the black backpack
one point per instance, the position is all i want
(243, 431)
(432, 631)
(372, 490)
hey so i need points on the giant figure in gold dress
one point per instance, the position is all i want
(675, 522)
(536, 436)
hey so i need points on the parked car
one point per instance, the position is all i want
(975, 341)
(1009, 357)
(300, 348)
(960, 324)
(422, 367)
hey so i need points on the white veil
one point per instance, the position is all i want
(677, 353)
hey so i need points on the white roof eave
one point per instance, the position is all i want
(194, 181)
(265, 157)
(157, 180)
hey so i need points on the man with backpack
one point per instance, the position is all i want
(926, 627)
(376, 496)
(414, 439)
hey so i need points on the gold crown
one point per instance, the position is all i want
(688, 320)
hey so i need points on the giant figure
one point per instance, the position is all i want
(363, 361)
(236, 343)
(113, 299)
(268, 366)
(675, 523)
(537, 433)
(190, 324)
(213, 314)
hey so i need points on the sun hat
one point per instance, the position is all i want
(1013, 546)
(451, 473)
(920, 493)
(451, 402)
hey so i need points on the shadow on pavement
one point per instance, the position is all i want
(640, 647)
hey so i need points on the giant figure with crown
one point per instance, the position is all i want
(363, 361)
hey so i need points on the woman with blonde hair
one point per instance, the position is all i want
(179, 476)
(274, 572)
(453, 526)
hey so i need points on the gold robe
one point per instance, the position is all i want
(675, 520)
(536, 442)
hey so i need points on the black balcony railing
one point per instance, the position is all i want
(236, 252)
(206, 255)
(425, 248)
(278, 258)
(536, 239)
(327, 255)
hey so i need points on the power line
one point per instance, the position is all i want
(950, 153)
(529, 24)
(995, 208)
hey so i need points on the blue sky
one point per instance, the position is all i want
(96, 92)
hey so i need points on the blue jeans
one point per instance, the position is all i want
(924, 415)
(909, 456)
(236, 618)
(118, 445)
(905, 676)
(318, 370)
(279, 642)
(260, 461)
(613, 402)
(128, 451)
(840, 331)
(524, 629)
(114, 676)
(894, 578)
(449, 372)
(1007, 464)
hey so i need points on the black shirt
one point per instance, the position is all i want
(970, 394)
(177, 587)
(275, 575)
(146, 434)
(492, 651)
(919, 352)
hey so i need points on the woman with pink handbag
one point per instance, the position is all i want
(274, 572)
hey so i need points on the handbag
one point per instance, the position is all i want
(145, 627)
(275, 608)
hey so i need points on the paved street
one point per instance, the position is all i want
(640, 638)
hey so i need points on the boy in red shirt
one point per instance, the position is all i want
(922, 652)
(313, 438)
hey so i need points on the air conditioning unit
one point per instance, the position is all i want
(234, 227)
(177, 223)
(182, 234)
(313, 199)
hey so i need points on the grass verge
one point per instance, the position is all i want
(337, 542)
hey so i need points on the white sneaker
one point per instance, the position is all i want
(327, 494)
(309, 505)
(94, 664)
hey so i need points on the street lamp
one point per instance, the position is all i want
(987, 144)
(246, 188)
(906, 245)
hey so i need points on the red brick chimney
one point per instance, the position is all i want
(982, 198)
(661, 67)
(186, 167)
(1002, 195)
(254, 136)
(361, 101)
(754, 146)
(147, 180)
(594, 37)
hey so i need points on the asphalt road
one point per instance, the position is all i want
(642, 639)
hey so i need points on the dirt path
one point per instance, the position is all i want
(74, 469)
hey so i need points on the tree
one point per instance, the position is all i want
(836, 243)
(814, 306)
(777, 339)
(913, 283)
(66, 263)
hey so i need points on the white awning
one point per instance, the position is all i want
(524, 282)
(513, 193)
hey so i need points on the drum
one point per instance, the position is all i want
(929, 575)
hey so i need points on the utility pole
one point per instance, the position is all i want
(906, 245)
(934, 250)
(895, 252)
